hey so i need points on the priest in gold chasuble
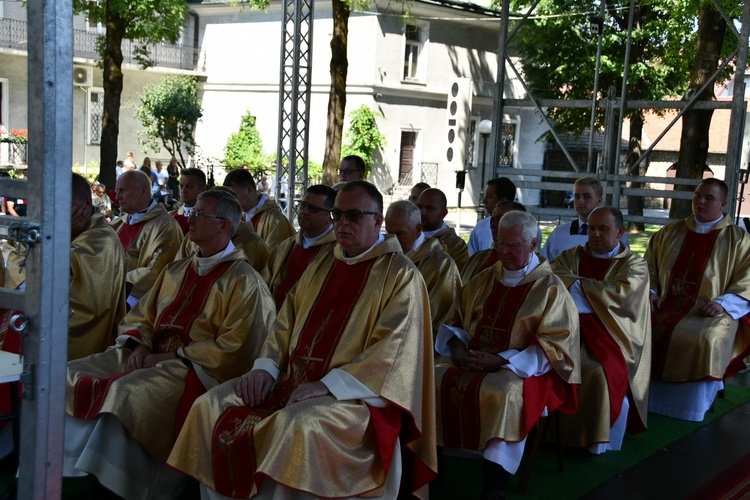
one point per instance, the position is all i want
(700, 299)
(148, 234)
(510, 353)
(203, 323)
(340, 403)
(314, 241)
(436, 267)
(433, 207)
(609, 285)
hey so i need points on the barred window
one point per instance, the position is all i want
(95, 112)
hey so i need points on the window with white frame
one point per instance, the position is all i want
(415, 45)
(94, 113)
(92, 26)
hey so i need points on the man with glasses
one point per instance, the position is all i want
(203, 322)
(341, 387)
(440, 273)
(244, 238)
(314, 241)
(434, 207)
(264, 214)
(149, 235)
(351, 168)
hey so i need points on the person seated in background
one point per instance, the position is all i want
(609, 285)
(496, 191)
(203, 322)
(264, 214)
(101, 201)
(340, 403)
(440, 273)
(352, 168)
(700, 300)
(245, 238)
(484, 259)
(192, 183)
(510, 352)
(314, 241)
(149, 235)
(588, 194)
(417, 190)
(434, 207)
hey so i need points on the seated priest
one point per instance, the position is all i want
(202, 323)
(510, 353)
(245, 238)
(433, 206)
(340, 402)
(700, 292)
(609, 285)
(440, 273)
(314, 241)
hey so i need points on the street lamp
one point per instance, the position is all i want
(485, 129)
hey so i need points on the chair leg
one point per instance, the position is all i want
(532, 448)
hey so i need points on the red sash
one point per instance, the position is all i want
(183, 222)
(460, 389)
(256, 220)
(682, 292)
(90, 392)
(128, 233)
(233, 452)
(298, 261)
(600, 342)
(493, 258)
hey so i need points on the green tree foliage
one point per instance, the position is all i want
(363, 136)
(169, 112)
(245, 147)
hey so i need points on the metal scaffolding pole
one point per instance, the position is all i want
(47, 231)
(496, 136)
(294, 98)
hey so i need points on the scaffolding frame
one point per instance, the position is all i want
(294, 99)
(611, 151)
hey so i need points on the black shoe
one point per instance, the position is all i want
(495, 479)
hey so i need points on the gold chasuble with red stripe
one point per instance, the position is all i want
(369, 319)
(687, 270)
(475, 407)
(616, 342)
(216, 322)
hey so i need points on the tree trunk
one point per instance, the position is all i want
(635, 203)
(696, 123)
(112, 95)
(337, 95)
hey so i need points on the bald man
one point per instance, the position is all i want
(148, 234)
(433, 207)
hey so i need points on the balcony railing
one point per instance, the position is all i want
(13, 35)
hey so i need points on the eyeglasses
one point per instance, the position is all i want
(199, 215)
(351, 215)
(302, 205)
(347, 171)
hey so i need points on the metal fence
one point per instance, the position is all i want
(14, 35)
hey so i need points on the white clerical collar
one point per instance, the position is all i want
(357, 258)
(607, 255)
(430, 234)
(251, 213)
(512, 278)
(186, 210)
(417, 244)
(205, 264)
(308, 242)
(704, 227)
(134, 218)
